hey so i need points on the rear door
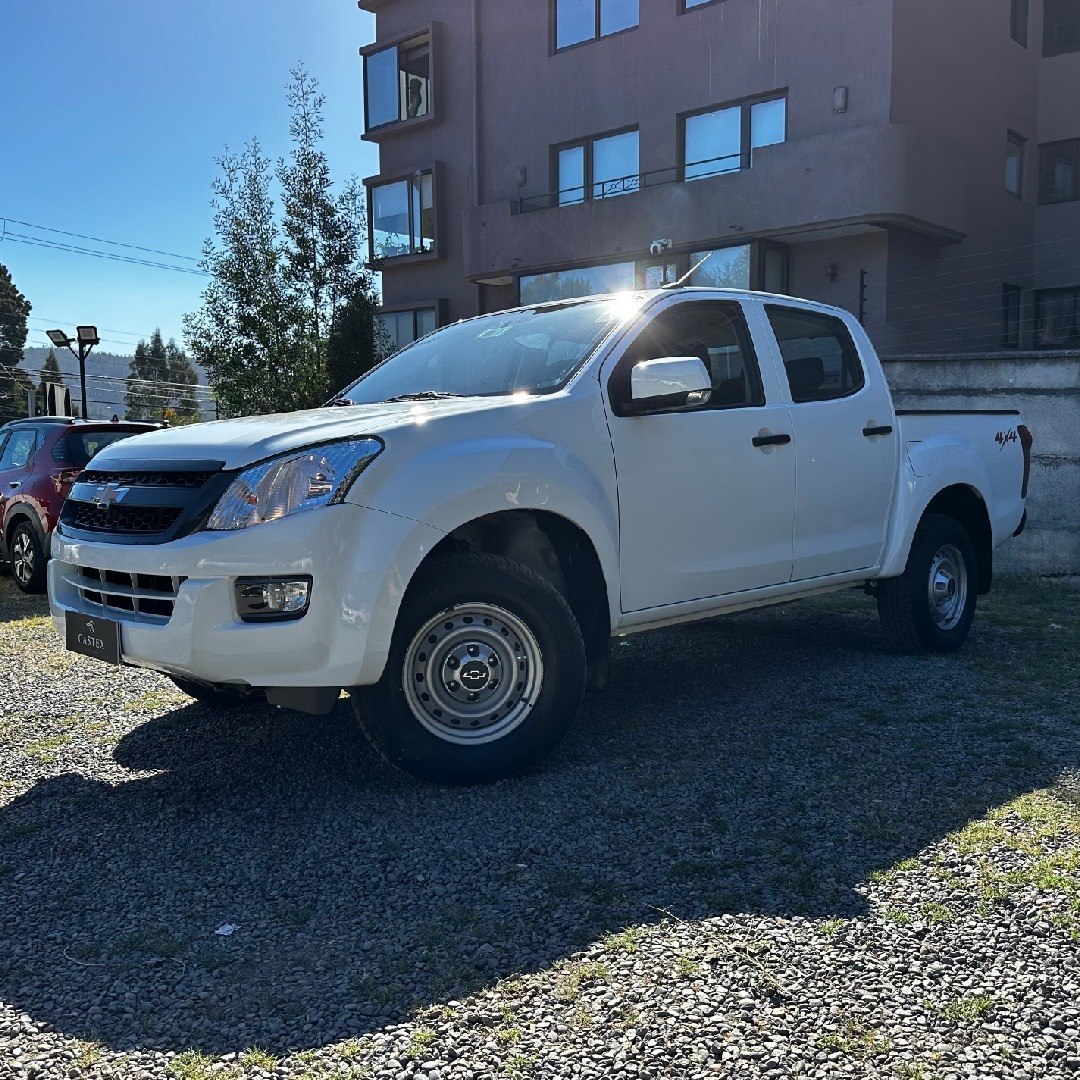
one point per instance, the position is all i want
(15, 459)
(703, 510)
(845, 443)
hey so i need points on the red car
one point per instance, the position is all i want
(39, 460)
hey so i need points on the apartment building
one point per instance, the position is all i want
(912, 160)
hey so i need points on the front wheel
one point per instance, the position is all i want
(929, 608)
(486, 671)
(27, 559)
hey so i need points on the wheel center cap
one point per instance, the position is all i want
(474, 675)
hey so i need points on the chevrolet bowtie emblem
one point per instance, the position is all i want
(108, 494)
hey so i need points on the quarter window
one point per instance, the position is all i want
(1014, 165)
(403, 217)
(723, 140)
(397, 82)
(819, 356)
(715, 332)
(598, 168)
(1059, 168)
(584, 20)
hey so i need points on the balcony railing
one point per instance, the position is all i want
(627, 185)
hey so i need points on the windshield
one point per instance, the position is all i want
(531, 351)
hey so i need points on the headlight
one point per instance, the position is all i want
(293, 482)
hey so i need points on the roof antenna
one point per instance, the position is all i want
(689, 274)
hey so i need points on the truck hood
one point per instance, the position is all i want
(236, 443)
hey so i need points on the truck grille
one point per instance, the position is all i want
(149, 596)
(127, 520)
(148, 479)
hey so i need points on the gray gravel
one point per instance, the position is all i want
(772, 848)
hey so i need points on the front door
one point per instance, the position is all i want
(845, 444)
(15, 456)
(703, 511)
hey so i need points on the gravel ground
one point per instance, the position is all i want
(772, 848)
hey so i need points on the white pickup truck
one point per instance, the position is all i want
(456, 538)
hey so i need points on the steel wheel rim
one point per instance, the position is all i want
(947, 588)
(22, 558)
(472, 674)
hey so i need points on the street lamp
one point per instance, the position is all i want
(86, 337)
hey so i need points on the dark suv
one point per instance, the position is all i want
(39, 460)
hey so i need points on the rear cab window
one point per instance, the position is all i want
(78, 447)
(715, 331)
(820, 359)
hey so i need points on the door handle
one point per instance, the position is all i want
(771, 440)
(881, 429)
(15, 483)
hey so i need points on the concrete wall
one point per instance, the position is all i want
(1046, 389)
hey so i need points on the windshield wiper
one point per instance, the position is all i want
(424, 395)
(339, 401)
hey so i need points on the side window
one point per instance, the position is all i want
(19, 449)
(820, 358)
(715, 332)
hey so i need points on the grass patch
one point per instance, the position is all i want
(257, 1058)
(157, 940)
(970, 1010)
(936, 914)
(420, 1043)
(831, 927)
(88, 1054)
(577, 976)
(45, 750)
(686, 967)
(855, 1040)
(194, 1065)
(293, 917)
(625, 941)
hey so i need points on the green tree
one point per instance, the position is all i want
(49, 374)
(285, 294)
(157, 382)
(14, 382)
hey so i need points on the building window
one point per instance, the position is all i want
(689, 5)
(1018, 28)
(724, 140)
(402, 216)
(1059, 169)
(1011, 301)
(1061, 27)
(1057, 318)
(585, 281)
(723, 268)
(585, 20)
(1014, 165)
(397, 82)
(598, 168)
(819, 356)
(404, 327)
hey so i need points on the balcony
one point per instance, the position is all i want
(885, 175)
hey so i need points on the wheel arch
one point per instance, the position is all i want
(966, 505)
(556, 548)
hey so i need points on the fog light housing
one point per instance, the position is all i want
(272, 599)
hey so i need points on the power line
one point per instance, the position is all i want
(20, 238)
(97, 239)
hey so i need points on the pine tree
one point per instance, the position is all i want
(156, 380)
(285, 296)
(181, 374)
(14, 382)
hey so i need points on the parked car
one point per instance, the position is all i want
(459, 536)
(39, 460)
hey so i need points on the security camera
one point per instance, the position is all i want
(658, 247)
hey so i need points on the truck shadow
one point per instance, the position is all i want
(744, 768)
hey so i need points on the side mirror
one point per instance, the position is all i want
(670, 382)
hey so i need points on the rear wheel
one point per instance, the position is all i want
(27, 559)
(224, 697)
(486, 672)
(929, 608)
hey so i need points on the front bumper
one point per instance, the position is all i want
(360, 561)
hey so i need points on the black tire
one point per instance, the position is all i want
(28, 558)
(223, 697)
(910, 618)
(449, 587)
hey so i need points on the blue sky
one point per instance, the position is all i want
(113, 114)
